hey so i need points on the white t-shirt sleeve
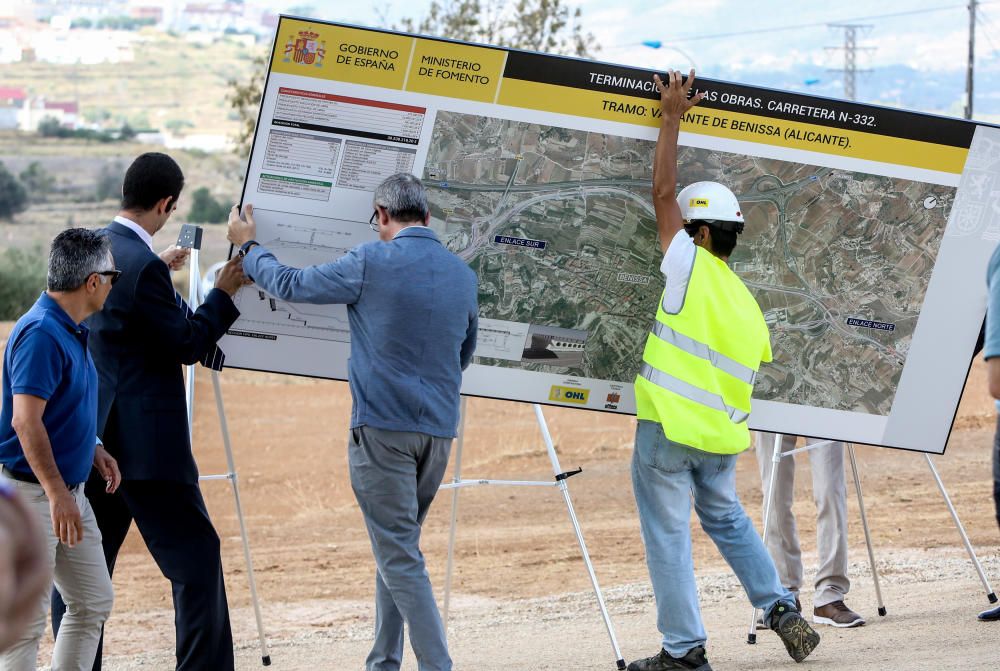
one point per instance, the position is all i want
(676, 268)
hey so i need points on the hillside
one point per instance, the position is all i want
(84, 171)
(171, 79)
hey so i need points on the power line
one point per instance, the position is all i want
(850, 49)
(969, 74)
(798, 26)
(986, 25)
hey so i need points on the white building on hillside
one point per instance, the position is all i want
(86, 47)
(35, 110)
(11, 102)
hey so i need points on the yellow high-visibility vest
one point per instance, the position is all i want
(699, 365)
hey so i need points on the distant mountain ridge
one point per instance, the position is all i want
(935, 92)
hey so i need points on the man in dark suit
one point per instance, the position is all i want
(140, 341)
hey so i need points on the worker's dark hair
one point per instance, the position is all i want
(151, 178)
(723, 239)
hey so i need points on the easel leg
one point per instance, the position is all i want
(557, 470)
(864, 523)
(768, 504)
(991, 597)
(456, 476)
(231, 465)
(194, 280)
(189, 398)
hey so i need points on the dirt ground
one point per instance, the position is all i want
(521, 595)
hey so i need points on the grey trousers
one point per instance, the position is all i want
(81, 576)
(395, 475)
(830, 496)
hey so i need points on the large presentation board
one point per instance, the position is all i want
(868, 229)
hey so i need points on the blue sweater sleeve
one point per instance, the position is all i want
(991, 346)
(338, 281)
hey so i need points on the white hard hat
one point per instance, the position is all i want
(710, 201)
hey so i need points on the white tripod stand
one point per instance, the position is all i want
(195, 296)
(559, 482)
(776, 457)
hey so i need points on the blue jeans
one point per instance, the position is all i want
(664, 476)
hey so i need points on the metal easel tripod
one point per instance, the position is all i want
(776, 457)
(195, 296)
(558, 482)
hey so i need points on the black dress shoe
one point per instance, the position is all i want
(990, 615)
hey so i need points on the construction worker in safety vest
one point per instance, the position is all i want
(693, 398)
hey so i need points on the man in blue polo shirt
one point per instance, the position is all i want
(48, 423)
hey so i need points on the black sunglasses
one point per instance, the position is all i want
(373, 223)
(113, 274)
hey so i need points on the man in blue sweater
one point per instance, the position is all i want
(412, 307)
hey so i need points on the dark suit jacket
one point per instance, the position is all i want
(139, 342)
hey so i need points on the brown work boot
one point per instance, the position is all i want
(837, 614)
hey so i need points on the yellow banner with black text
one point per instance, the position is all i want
(612, 93)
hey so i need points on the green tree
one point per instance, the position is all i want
(536, 25)
(109, 182)
(22, 278)
(245, 101)
(205, 209)
(50, 127)
(126, 132)
(13, 195)
(37, 181)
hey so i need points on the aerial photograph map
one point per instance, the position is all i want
(559, 226)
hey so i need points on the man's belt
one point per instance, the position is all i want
(25, 477)
(21, 477)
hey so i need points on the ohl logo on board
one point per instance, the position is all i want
(569, 395)
(305, 49)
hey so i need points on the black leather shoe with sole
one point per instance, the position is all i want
(694, 660)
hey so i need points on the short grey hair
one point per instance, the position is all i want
(403, 197)
(76, 254)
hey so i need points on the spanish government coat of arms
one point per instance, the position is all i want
(305, 49)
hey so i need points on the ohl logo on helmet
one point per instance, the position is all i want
(698, 202)
(569, 395)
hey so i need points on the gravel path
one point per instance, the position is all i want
(932, 598)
